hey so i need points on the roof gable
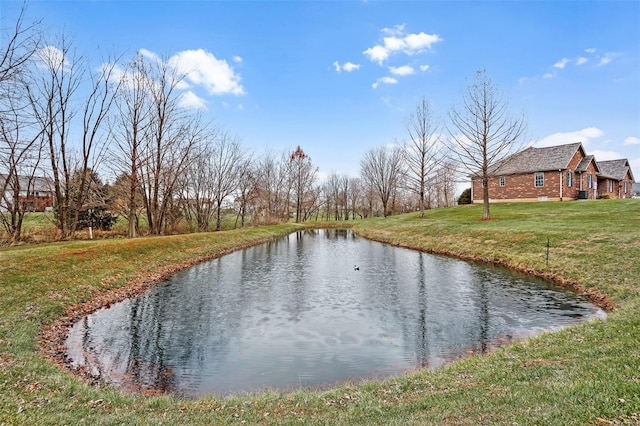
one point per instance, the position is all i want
(584, 164)
(615, 169)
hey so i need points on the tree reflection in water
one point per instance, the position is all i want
(295, 312)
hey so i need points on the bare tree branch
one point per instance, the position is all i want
(483, 132)
(382, 169)
(423, 152)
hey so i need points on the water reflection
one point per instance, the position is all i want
(296, 312)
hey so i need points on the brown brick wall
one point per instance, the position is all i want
(582, 179)
(618, 187)
(522, 186)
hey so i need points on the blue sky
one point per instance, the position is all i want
(339, 78)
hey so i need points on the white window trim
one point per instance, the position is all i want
(535, 179)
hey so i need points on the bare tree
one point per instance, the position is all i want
(381, 168)
(302, 178)
(274, 185)
(133, 126)
(226, 158)
(332, 191)
(20, 142)
(423, 152)
(247, 190)
(20, 43)
(156, 140)
(339, 201)
(198, 190)
(20, 158)
(483, 132)
(443, 185)
(95, 134)
(51, 95)
(354, 197)
(173, 136)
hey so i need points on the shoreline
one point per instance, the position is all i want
(52, 337)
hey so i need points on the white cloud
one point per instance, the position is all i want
(237, 59)
(548, 75)
(605, 155)
(190, 100)
(182, 85)
(53, 58)
(403, 70)
(393, 44)
(347, 66)
(632, 140)
(350, 66)
(377, 54)
(124, 75)
(607, 58)
(561, 63)
(585, 135)
(396, 30)
(149, 55)
(384, 80)
(204, 69)
(424, 68)
(396, 41)
(591, 50)
(581, 60)
(416, 43)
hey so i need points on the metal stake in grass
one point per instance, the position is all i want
(548, 245)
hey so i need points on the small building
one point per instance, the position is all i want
(615, 179)
(554, 173)
(36, 193)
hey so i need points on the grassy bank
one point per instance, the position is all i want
(588, 374)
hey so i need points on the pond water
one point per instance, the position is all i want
(310, 310)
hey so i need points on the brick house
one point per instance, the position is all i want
(553, 173)
(34, 193)
(615, 179)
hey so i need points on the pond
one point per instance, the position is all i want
(310, 310)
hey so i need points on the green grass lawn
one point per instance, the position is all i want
(587, 374)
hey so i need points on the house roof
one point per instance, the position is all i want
(584, 164)
(615, 169)
(38, 184)
(537, 159)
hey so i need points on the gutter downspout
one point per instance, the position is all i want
(560, 172)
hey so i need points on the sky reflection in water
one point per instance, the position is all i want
(297, 313)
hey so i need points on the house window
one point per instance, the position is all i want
(539, 180)
(625, 187)
(502, 180)
(610, 185)
(590, 181)
(569, 179)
